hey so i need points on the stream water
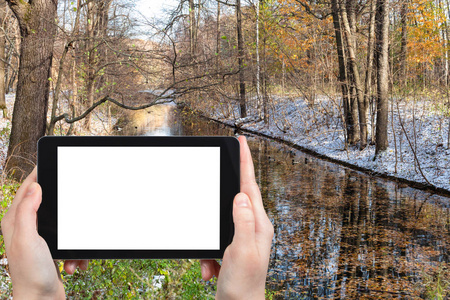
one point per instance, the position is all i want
(339, 233)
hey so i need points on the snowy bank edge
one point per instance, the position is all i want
(414, 184)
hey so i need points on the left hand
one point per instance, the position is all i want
(34, 274)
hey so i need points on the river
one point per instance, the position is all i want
(339, 233)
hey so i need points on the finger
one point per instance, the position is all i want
(20, 194)
(247, 171)
(209, 268)
(30, 178)
(248, 182)
(70, 266)
(244, 221)
(83, 264)
(27, 210)
(250, 187)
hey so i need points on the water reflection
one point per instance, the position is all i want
(338, 233)
(343, 234)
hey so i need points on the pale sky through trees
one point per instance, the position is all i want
(153, 10)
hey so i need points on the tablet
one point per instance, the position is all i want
(137, 197)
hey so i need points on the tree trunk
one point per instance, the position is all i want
(349, 22)
(381, 48)
(447, 47)
(264, 80)
(242, 103)
(218, 39)
(258, 63)
(3, 8)
(370, 45)
(92, 60)
(402, 58)
(57, 91)
(342, 71)
(192, 28)
(37, 28)
(14, 58)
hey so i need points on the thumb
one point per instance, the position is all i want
(26, 213)
(244, 220)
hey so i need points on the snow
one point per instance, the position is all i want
(318, 127)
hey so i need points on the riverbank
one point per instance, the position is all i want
(317, 130)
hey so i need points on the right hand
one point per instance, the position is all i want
(245, 261)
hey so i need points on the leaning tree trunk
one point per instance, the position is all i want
(370, 45)
(3, 8)
(348, 22)
(192, 29)
(258, 62)
(402, 58)
(37, 28)
(349, 126)
(92, 59)
(240, 60)
(381, 50)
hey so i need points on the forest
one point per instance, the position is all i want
(364, 84)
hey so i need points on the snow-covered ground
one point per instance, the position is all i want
(318, 127)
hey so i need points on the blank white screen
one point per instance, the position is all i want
(139, 198)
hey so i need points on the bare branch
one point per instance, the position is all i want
(66, 117)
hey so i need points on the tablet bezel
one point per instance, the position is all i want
(47, 178)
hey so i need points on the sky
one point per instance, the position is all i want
(153, 8)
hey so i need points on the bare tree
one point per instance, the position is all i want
(3, 13)
(242, 102)
(37, 29)
(349, 25)
(404, 40)
(382, 53)
(342, 71)
(192, 28)
(369, 68)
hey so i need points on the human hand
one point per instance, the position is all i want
(34, 274)
(245, 261)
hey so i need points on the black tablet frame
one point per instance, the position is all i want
(47, 178)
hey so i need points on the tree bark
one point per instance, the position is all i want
(57, 91)
(37, 28)
(349, 126)
(3, 10)
(402, 58)
(349, 22)
(192, 28)
(13, 60)
(381, 48)
(92, 58)
(258, 62)
(218, 38)
(242, 103)
(263, 77)
(370, 45)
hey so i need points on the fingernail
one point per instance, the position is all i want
(242, 200)
(31, 189)
(203, 268)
